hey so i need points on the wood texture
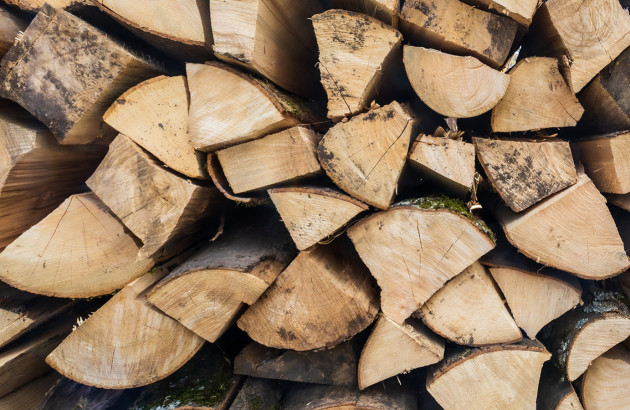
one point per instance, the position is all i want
(388, 11)
(31, 395)
(10, 26)
(313, 397)
(605, 383)
(606, 159)
(520, 10)
(33, 6)
(67, 393)
(555, 392)
(266, 394)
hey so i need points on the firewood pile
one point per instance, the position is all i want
(314, 204)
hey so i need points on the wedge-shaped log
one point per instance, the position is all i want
(413, 251)
(344, 302)
(154, 114)
(520, 10)
(555, 392)
(354, 51)
(523, 171)
(572, 231)
(10, 26)
(394, 349)
(220, 181)
(33, 6)
(282, 157)
(312, 214)
(503, 376)
(537, 97)
(31, 395)
(469, 311)
(454, 86)
(605, 383)
(584, 35)
(314, 397)
(388, 11)
(365, 155)
(606, 159)
(64, 47)
(458, 28)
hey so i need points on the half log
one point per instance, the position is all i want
(605, 383)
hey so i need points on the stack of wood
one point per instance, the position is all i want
(372, 204)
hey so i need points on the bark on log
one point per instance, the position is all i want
(388, 11)
(555, 392)
(314, 397)
(10, 26)
(605, 383)
(606, 159)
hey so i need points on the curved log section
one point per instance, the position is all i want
(605, 383)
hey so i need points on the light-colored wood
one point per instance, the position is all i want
(219, 180)
(10, 26)
(84, 73)
(154, 114)
(537, 97)
(331, 295)
(314, 397)
(354, 51)
(313, 214)
(455, 27)
(468, 310)
(393, 349)
(524, 171)
(496, 377)
(365, 155)
(412, 252)
(572, 231)
(555, 392)
(585, 36)
(30, 396)
(388, 11)
(606, 159)
(520, 10)
(605, 383)
(34, 6)
(288, 155)
(454, 86)
(160, 208)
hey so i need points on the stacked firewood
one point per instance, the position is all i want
(315, 204)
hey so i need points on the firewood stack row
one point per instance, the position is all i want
(317, 204)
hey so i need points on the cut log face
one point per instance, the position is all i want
(394, 349)
(314, 397)
(605, 383)
(458, 28)
(520, 10)
(313, 214)
(288, 155)
(555, 392)
(344, 302)
(388, 11)
(30, 396)
(354, 50)
(68, 48)
(34, 6)
(524, 172)
(382, 136)
(572, 231)
(220, 181)
(454, 86)
(503, 376)
(154, 114)
(537, 97)
(10, 26)
(606, 159)
(412, 252)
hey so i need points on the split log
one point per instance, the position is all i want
(584, 36)
(382, 136)
(272, 38)
(332, 297)
(154, 114)
(72, 395)
(220, 181)
(555, 392)
(33, 6)
(521, 11)
(468, 310)
(523, 171)
(314, 397)
(394, 349)
(313, 214)
(412, 252)
(254, 108)
(388, 11)
(259, 393)
(10, 26)
(354, 52)
(458, 28)
(454, 86)
(277, 158)
(160, 208)
(572, 231)
(31, 395)
(335, 366)
(605, 382)
(605, 159)
(537, 97)
(503, 376)
(65, 47)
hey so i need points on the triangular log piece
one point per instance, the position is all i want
(208, 291)
(606, 159)
(458, 28)
(10, 26)
(312, 214)
(520, 10)
(154, 114)
(365, 155)
(221, 183)
(622, 201)
(273, 38)
(335, 366)
(449, 162)
(259, 393)
(156, 205)
(31, 395)
(583, 35)
(332, 298)
(354, 51)
(454, 86)
(66, 47)
(393, 349)
(286, 156)
(524, 171)
(586, 332)
(388, 11)
(503, 376)
(413, 251)
(254, 108)
(572, 231)
(555, 392)
(33, 6)
(605, 383)
(537, 97)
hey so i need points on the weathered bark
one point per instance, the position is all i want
(555, 392)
